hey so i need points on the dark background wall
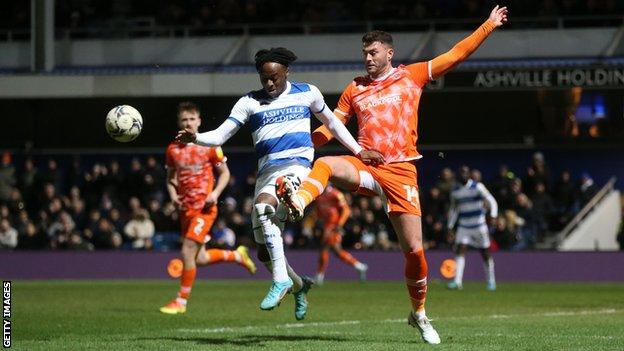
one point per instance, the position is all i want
(446, 117)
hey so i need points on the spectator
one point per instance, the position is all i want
(30, 183)
(53, 175)
(565, 199)
(140, 230)
(222, 236)
(538, 172)
(446, 184)
(60, 231)
(31, 238)
(8, 235)
(587, 189)
(527, 221)
(543, 207)
(503, 234)
(105, 236)
(7, 176)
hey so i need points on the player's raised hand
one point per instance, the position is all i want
(371, 157)
(499, 15)
(186, 136)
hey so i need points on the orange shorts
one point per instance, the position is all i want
(331, 234)
(196, 224)
(396, 183)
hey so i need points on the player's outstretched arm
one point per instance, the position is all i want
(338, 130)
(322, 135)
(212, 138)
(462, 50)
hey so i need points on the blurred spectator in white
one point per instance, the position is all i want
(140, 230)
(60, 230)
(8, 235)
(222, 236)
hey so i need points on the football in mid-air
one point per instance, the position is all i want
(124, 123)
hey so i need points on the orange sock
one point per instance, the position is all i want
(347, 258)
(315, 183)
(186, 283)
(219, 255)
(323, 261)
(416, 278)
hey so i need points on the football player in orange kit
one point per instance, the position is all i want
(386, 104)
(190, 182)
(333, 211)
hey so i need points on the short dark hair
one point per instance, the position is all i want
(377, 35)
(280, 55)
(187, 106)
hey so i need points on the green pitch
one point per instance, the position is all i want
(224, 315)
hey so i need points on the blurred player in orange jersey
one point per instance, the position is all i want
(332, 210)
(386, 104)
(191, 186)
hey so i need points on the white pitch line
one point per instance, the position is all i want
(402, 320)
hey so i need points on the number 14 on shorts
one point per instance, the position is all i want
(412, 195)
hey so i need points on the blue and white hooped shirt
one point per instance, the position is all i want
(280, 127)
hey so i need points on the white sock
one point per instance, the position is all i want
(420, 314)
(181, 301)
(273, 241)
(359, 266)
(275, 246)
(459, 269)
(489, 270)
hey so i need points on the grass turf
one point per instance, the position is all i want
(224, 315)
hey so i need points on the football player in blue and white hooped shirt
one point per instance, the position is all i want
(467, 209)
(279, 116)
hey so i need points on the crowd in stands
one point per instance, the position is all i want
(532, 206)
(206, 13)
(44, 205)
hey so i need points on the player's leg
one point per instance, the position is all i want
(301, 284)
(264, 212)
(240, 256)
(460, 263)
(190, 248)
(323, 262)
(408, 227)
(488, 261)
(344, 256)
(342, 172)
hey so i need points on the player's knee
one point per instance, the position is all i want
(264, 211)
(189, 250)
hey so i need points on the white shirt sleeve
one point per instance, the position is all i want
(241, 110)
(335, 126)
(238, 116)
(220, 135)
(489, 199)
